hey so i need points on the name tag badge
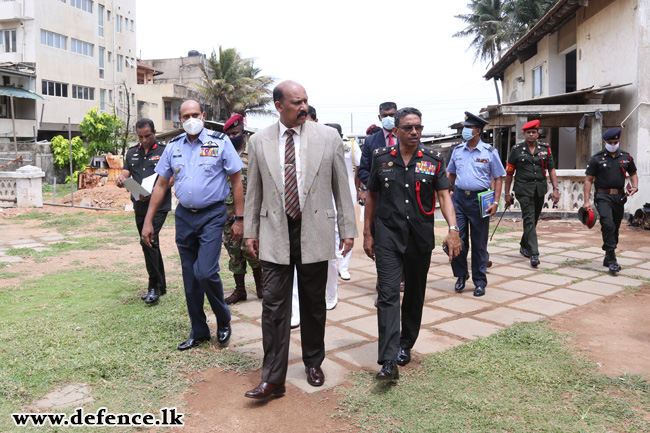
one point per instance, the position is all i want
(177, 156)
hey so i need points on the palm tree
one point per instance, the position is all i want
(485, 24)
(523, 15)
(233, 85)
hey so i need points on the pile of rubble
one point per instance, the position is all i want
(101, 196)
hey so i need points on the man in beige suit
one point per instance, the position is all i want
(294, 169)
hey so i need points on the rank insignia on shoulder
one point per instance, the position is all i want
(420, 154)
(393, 152)
(376, 151)
(437, 154)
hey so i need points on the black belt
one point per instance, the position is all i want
(204, 209)
(612, 191)
(467, 192)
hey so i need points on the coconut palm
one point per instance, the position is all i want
(233, 85)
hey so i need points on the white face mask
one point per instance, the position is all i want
(193, 126)
(612, 147)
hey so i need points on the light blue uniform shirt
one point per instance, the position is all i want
(201, 168)
(475, 169)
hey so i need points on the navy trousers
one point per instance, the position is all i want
(472, 226)
(198, 237)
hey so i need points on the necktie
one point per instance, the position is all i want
(391, 139)
(291, 200)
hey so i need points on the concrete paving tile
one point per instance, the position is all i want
(644, 249)
(367, 301)
(22, 241)
(41, 249)
(618, 280)
(525, 286)
(544, 264)
(628, 262)
(596, 288)
(497, 250)
(634, 255)
(245, 331)
(468, 328)
(460, 304)
(579, 254)
(334, 375)
(511, 271)
(429, 342)
(363, 356)
(596, 265)
(494, 279)
(433, 294)
(555, 280)
(10, 259)
(494, 294)
(510, 246)
(644, 273)
(594, 250)
(432, 315)
(255, 350)
(51, 238)
(444, 270)
(542, 306)
(570, 296)
(31, 245)
(503, 259)
(446, 285)
(544, 249)
(353, 291)
(645, 265)
(554, 258)
(368, 284)
(345, 311)
(337, 337)
(508, 316)
(561, 245)
(252, 307)
(577, 273)
(367, 325)
(433, 277)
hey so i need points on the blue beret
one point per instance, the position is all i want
(472, 120)
(612, 134)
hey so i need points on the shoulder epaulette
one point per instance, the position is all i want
(178, 137)
(217, 134)
(543, 144)
(135, 145)
(432, 153)
(383, 150)
(491, 148)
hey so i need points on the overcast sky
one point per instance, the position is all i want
(349, 55)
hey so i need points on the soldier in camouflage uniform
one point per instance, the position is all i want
(239, 254)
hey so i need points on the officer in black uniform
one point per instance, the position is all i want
(528, 162)
(401, 188)
(608, 169)
(139, 163)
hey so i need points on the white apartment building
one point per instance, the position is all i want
(76, 54)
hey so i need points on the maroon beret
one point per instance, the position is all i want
(369, 128)
(234, 120)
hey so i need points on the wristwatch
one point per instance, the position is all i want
(238, 218)
(556, 187)
(363, 188)
(454, 228)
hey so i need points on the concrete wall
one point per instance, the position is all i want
(36, 154)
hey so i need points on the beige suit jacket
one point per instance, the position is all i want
(324, 175)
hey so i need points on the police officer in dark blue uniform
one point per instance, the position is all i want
(608, 169)
(201, 162)
(472, 168)
(401, 202)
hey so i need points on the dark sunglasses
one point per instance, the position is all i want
(408, 128)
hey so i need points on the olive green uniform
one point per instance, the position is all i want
(530, 188)
(237, 250)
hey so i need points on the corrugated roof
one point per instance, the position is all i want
(18, 93)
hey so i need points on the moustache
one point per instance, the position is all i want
(302, 114)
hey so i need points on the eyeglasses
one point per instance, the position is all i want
(408, 128)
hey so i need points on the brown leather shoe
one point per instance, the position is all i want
(315, 376)
(265, 390)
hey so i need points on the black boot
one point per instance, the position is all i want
(613, 265)
(240, 290)
(259, 282)
(152, 295)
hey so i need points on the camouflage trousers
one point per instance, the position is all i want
(238, 252)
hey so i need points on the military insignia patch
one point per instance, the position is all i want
(425, 167)
(482, 160)
(155, 158)
(209, 151)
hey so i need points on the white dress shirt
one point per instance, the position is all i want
(282, 140)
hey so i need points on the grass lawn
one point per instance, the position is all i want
(523, 379)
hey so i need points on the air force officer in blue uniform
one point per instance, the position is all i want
(471, 169)
(201, 161)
